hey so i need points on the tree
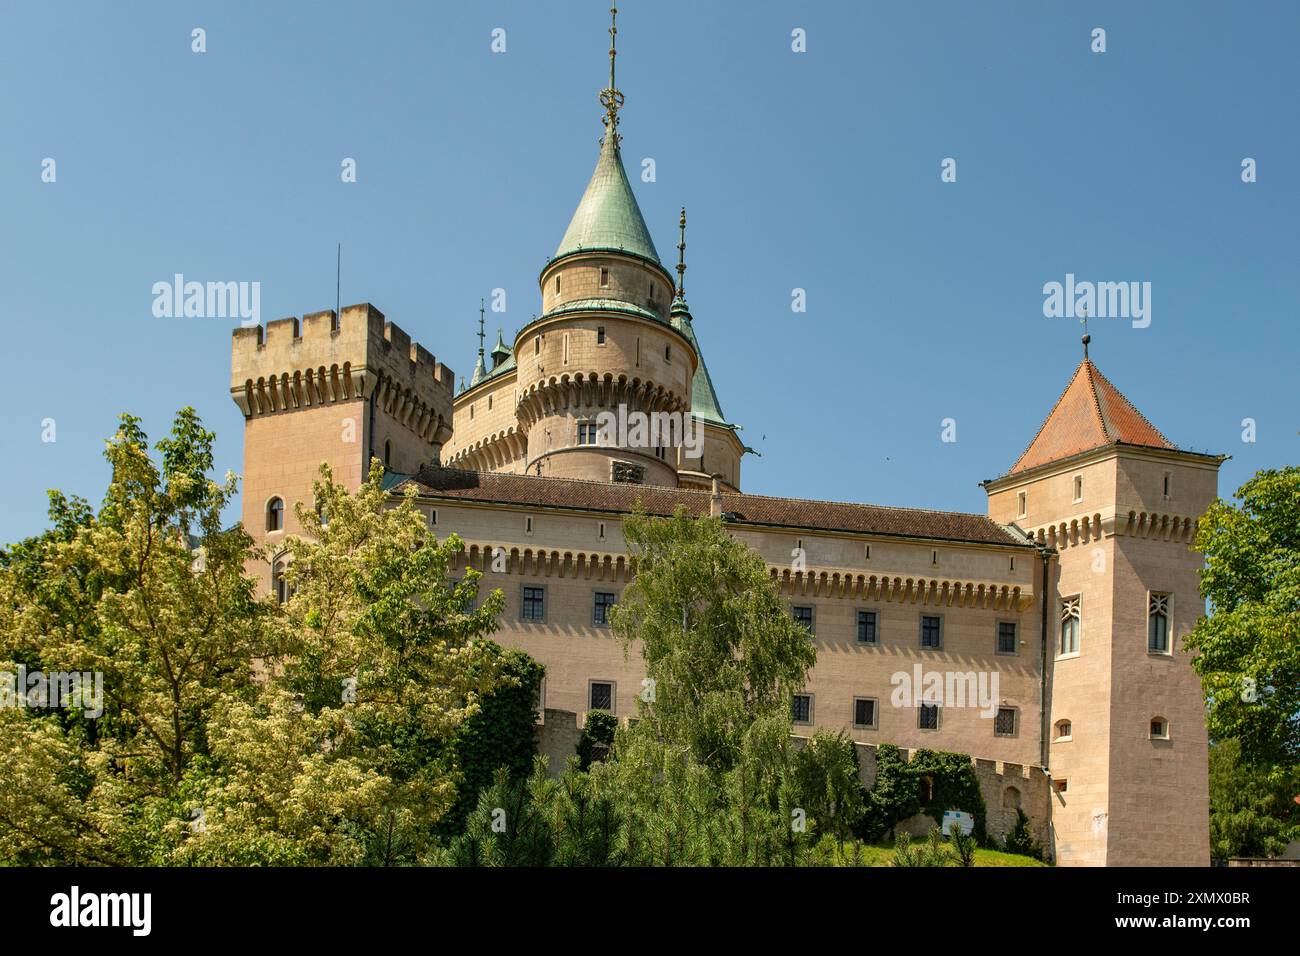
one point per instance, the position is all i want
(149, 593)
(720, 648)
(1250, 814)
(381, 662)
(1248, 649)
(830, 789)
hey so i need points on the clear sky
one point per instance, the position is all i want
(817, 170)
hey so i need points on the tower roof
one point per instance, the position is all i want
(1091, 413)
(608, 217)
(704, 399)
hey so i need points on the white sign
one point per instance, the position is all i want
(959, 819)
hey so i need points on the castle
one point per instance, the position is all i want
(1075, 590)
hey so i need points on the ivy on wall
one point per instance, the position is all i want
(501, 735)
(932, 782)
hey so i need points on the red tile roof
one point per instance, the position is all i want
(1090, 413)
(446, 483)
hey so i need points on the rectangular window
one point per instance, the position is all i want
(1071, 625)
(604, 278)
(600, 611)
(1168, 485)
(801, 708)
(931, 631)
(1158, 623)
(1022, 504)
(1008, 642)
(533, 607)
(600, 335)
(1060, 786)
(1078, 488)
(804, 615)
(927, 717)
(600, 696)
(864, 712)
(1004, 722)
(867, 627)
(587, 433)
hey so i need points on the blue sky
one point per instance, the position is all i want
(818, 170)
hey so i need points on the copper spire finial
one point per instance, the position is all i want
(611, 98)
(1083, 317)
(681, 258)
(480, 329)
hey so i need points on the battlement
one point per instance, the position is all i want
(292, 362)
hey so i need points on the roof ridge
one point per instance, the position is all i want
(1137, 411)
(1052, 411)
(701, 492)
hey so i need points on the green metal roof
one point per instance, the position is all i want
(704, 399)
(602, 305)
(480, 372)
(500, 352)
(608, 216)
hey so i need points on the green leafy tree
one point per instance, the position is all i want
(720, 648)
(150, 593)
(1248, 649)
(381, 662)
(830, 789)
(1251, 812)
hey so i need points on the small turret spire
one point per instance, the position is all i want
(611, 98)
(1083, 318)
(480, 370)
(480, 328)
(681, 257)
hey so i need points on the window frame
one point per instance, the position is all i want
(613, 695)
(524, 600)
(811, 709)
(1015, 721)
(920, 632)
(1015, 637)
(875, 627)
(1166, 611)
(596, 606)
(938, 716)
(1067, 602)
(812, 616)
(875, 713)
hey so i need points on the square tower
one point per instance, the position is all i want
(1127, 749)
(340, 390)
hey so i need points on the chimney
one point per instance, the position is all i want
(715, 499)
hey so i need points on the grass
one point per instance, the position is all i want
(882, 854)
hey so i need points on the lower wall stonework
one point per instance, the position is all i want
(1004, 786)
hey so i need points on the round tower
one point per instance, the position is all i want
(603, 342)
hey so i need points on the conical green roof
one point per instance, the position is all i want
(608, 217)
(704, 400)
(500, 351)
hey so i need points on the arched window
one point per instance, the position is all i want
(275, 514)
(1063, 730)
(1011, 799)
(279, 587)
(388, 454)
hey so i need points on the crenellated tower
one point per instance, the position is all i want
(335, 389)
